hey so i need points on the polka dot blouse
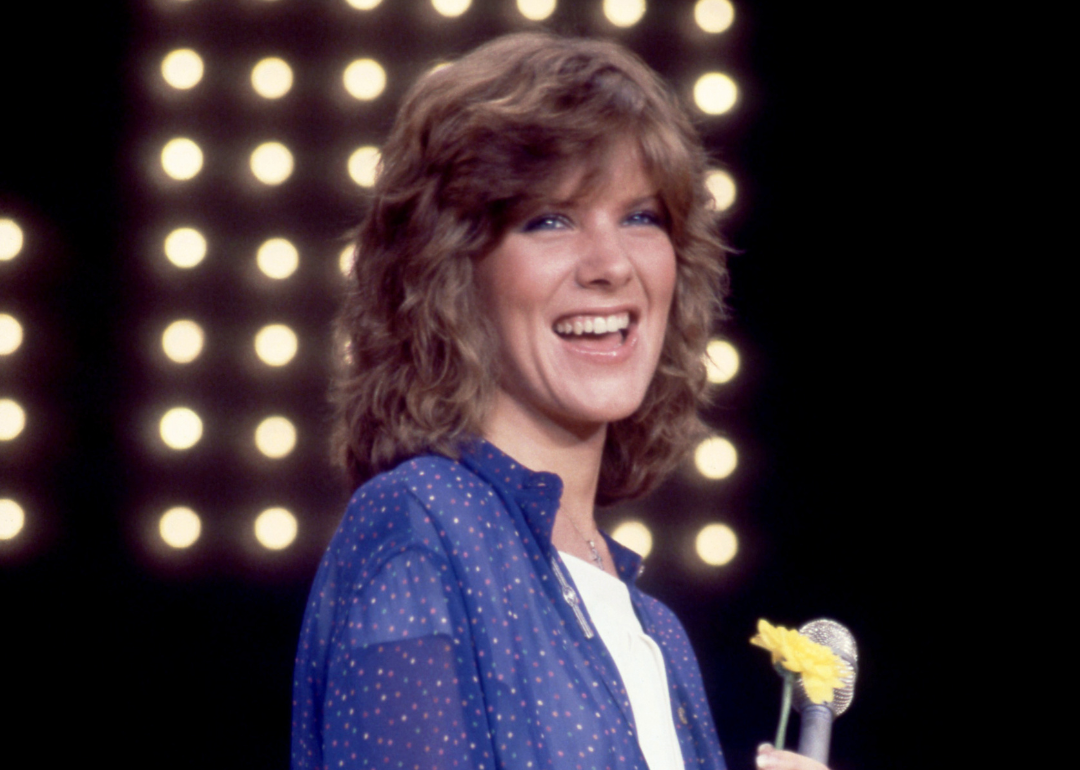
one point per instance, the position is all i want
(444, 631)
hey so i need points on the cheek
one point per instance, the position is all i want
(663, 278)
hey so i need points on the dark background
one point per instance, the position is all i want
(843, 413)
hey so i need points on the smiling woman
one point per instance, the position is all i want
(532, 291)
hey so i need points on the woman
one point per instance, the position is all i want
(533, 289)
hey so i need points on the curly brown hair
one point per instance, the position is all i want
(472, 143)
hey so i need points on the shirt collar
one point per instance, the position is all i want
(537, 493)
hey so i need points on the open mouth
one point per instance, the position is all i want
(590, 329)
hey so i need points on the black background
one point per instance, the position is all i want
(845, 401)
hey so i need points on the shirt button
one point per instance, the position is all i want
(682, 715)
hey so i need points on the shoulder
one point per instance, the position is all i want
(434, 479)
(416, 498)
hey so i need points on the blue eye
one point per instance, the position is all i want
(647, 217)
(545, 222)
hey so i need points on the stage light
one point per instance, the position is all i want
(180, 428)
(271, 163)
(275, 528)
(11, 334)
(278, 258)
(364, 166)
(364, 79)
(714, 15)
(271, 78)
(536, 10)
(11, 239)
(624, 13)
(635, 536)
(182, 341)
(12, 419)
(185, 247)
(12, 518)
(181, 158)
(721, 361)
(715, 458)
(715, 93)
(276, 344)
(363, 5)
(716, 544)
(275, 437)
(451, 8)
(182, 69)
(345, 260)
(722, 188)
(180, 527)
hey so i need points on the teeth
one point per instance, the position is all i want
(594, 324)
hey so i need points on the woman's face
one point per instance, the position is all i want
(579, 292)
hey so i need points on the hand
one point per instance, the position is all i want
(769, 758)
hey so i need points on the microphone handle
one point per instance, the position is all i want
(815, 729)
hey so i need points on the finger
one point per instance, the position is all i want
(769, 758)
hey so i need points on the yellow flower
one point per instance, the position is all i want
(821, 669)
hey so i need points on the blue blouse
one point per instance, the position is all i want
(444, 631)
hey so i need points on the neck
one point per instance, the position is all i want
(574, 455)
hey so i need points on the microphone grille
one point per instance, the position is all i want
(838, 639)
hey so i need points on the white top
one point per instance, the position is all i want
(636, 655)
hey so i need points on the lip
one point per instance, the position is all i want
(632, 310)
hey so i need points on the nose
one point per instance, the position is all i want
(604, 260)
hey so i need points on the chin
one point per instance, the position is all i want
(602, 410)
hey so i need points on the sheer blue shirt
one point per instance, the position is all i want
(444, 631)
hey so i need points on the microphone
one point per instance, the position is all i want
(816, 718)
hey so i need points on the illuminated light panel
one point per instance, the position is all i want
(181, 428)
(185, 247)
(11, 334)
(278, 258)
(276, 344)
(180, 527)
(12, 419)
(275, 528)
(451, 8)
(536, 10)
(714, 15)
(275, 437)
(182, 69)
(12, 518)
(635, 536)
(624, 13)
(271, 78)
(345, 261)
(721, 361)
(716, 544)
(722, 188)
(715, 93)
(272, 163)
(182, 341)
(364, 79)
(11, 239)
(363, 5)
(364, 166)
(715, 458)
